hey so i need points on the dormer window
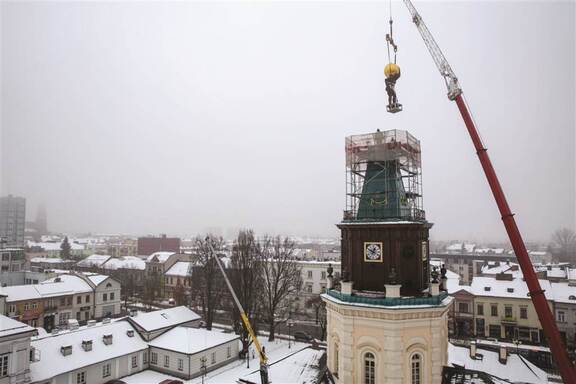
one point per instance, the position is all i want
(571, 297)
(510, 290)
(487, 289)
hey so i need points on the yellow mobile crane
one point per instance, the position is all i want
(261, 352)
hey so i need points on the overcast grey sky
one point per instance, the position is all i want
(149, 117)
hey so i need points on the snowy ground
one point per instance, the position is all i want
(276, 351)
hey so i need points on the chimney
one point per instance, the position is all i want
(473, 350)
(87, 345)
(503, 355)
(107, 339)
(504, 276)
(66, 350)
(34, 354)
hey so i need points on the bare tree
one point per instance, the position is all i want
(152, 287)
(563, 246)
(246, 278)
(320, 309)
(282, 277)
(207, 281)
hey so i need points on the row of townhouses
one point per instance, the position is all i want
(499, 307)
(54, 301)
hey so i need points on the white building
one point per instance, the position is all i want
(315, 275)
(90, 355)
(187, 352)
(101, 352)
(14, 351)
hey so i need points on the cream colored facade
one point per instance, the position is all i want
(514, 318)
(393, 335)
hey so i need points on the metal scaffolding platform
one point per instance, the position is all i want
(383, 177)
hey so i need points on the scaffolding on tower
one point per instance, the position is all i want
(383, 177)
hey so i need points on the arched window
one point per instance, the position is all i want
(416, 366)
(369, 368)
(336, 360)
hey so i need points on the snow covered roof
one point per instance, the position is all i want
(125, 262)
(161, 257)
(10, 326)
(54, 245)
(181, 268)
(494, 268)
(67, 285)
(319, 262)
(517, 369)
(53, 363)
(454, 247)
(515, 288)
(497, 251)
(94, 261)
(171, 317)
(97, 279)
(563, 292)
(301, 367)
(49, 260)
(191, 340)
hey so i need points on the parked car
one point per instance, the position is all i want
(303, 336)
(171, 381)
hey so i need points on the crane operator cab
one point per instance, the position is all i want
(392, 73)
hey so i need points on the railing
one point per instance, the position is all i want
(510, 319)
(388, 301)
(404, 214)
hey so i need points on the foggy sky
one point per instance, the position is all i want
(154, 117)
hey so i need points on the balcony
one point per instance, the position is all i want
(388, 302)
(49, 308)
(508, 319)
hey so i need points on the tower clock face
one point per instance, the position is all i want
(373, 252)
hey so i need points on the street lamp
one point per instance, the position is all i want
(203, 367)
(290, 324)
(517, 342)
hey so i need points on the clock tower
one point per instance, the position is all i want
(386, 322)
(384, 230)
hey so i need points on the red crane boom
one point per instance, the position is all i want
(536, 293)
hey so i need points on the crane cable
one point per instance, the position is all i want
(390, 39)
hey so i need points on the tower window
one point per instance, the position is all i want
(369, 369)
(416, 369)
(335, 370)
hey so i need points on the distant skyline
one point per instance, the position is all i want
(174, 117)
